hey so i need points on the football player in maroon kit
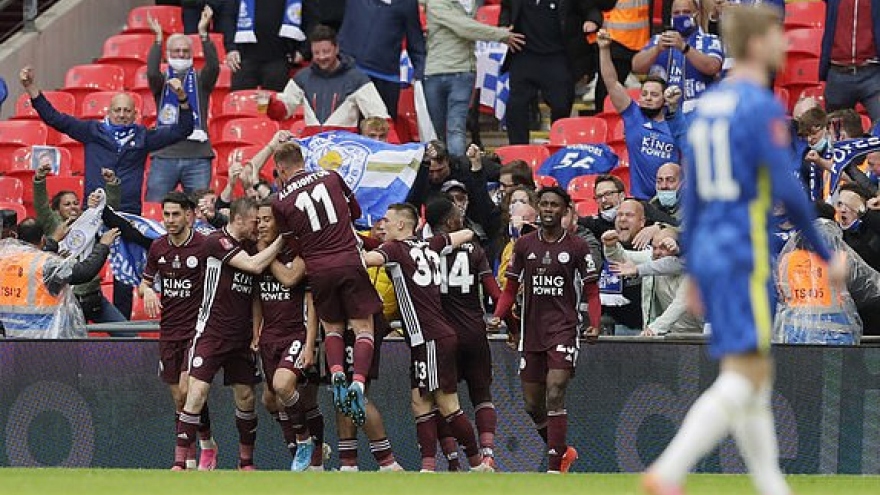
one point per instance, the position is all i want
(318, 208)
(558, 277)
(225, 328)
(463, 271)
(175, 261)
(414, 267)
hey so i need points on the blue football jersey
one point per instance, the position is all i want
(578, 159)
(672, 65)
(738, 161)
(650, 145)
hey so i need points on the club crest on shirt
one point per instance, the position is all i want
(563, 257)
(192, 262)
(348, 158)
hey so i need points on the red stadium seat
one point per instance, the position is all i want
(582, 188)
(799, 75)
(169, 18)
(153, 211)
(77, 153)
(245, 154)
(816, 92)
(804, 15)
(783, 96)
(199, 51)
(236, 105)
(242, 132)
(17, 133)
(221, 89)
(423, 18)
(128, 51)
(19, 209)
(297, 128)
(622, 173)
(578, 130)
(21, 160)
(533, 154)
(545, 181)
(804, 43)
(867, 125)
(11, 190)
(62, 101)
(54, 185)
(617, 136)
(95, 105)
(488, 14)
(586, 208)
(83, 79)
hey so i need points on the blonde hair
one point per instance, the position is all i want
(288, 154)
(377, 124)
(741, 23)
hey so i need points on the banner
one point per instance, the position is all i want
(845, 152)
(379, 173)
(579, 159)
(493, 84)
(128, 259)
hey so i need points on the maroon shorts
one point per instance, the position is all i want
(173, 359)
(533, 366)
(236, 358)
(344, 293)
(474, 362)
(283, 354)
(432, 366)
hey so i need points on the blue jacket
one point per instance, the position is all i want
(101, 150)
(372, 32)
(831, 24)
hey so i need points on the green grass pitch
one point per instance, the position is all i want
(155, 482)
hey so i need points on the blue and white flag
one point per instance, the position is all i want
(845, 152)
(578, 159)
(493, 84)
(128, 259)
(379, 173)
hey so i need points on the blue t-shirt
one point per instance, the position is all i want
(673, 66)
(650, 144)
(578, 159)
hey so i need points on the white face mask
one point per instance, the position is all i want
(180, 64)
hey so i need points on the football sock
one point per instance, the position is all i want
(557, 429)
(246, 423)
(363, 356)
(287, 431)
(315, 424)
(205, 425)
(334, 349)
(187, 429)
(381, 450)
(755, 436)
(464, 433)
(487, 420)
(426, 432)
(348, 452)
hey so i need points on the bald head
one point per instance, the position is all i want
(122, 110)
(630, 220)
(668, 177)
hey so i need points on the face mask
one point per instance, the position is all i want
(820, 145)
(667, 198)
(651, 113)
(685, 24)
(180, 64)
(609, 215)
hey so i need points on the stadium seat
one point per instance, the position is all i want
(153, 211)
(20, 211)
(617, 136)
(199, 51)
(128, 51)
(867, 125)
(84, 79)
(803, 43)
(545, 181)
(817, 92)
(799, 75)
(169, 18)
(407, 124)
(54, 185)
(609, 113)
(297, 128)
(62, 101)
(586, 208)
(578, 130)
(582, 188)
(804, 15)
(21, 160)
(95, 105)
(243, 132)
(488, 14)
(11, 190)
(17, 133)
(245, 153)
(623, 173)
(77, 154)
(533, 154)
(221, 89)
(783, 96)
(423, 18)
(236, 105)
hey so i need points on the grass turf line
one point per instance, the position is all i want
(153, 482)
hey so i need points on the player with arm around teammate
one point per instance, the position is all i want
(224, 329)
(174, 260)
(414, 267)
(738, 165)
(559, 278)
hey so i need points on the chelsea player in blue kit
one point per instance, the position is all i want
(737, 159)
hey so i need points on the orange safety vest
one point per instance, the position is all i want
(807, 277)
(22, 290)
(629, 23)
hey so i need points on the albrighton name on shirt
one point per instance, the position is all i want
(300, 183)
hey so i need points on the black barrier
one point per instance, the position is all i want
(99, 403)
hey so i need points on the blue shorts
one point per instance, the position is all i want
(740, 309)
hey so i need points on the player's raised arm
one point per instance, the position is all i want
(257, 263)
(289, 274)
(460, 237)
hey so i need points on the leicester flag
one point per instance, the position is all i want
(128, 259)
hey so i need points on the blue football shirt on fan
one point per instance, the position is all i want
(673, 66)
(650, 144)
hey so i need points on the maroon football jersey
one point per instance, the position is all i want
(552, 276)
(316, 208)
(414, 268)
(179, 270)
(227, 303)
(284, 308)
(461, 272)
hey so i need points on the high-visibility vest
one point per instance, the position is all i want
(25, 301)
(629, 23)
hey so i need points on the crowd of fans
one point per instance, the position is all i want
(351, 80)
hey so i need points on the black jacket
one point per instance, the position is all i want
(866, 239)
(573, 15)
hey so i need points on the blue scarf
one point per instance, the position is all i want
(845, 152)
(122, 134)
(169, 107)
(245, 31)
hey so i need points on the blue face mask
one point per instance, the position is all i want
(667, 199)
(685, 24)
(820, 145)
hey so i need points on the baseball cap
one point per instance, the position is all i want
(452, 184)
